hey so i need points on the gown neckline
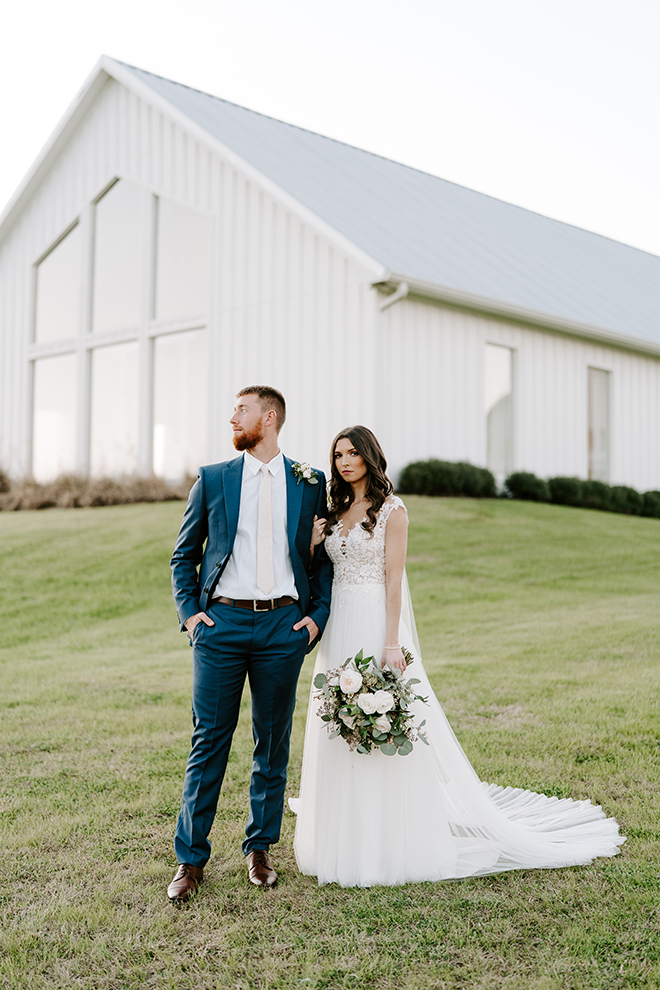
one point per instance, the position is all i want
(350, 529)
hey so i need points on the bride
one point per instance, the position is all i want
(365, 820)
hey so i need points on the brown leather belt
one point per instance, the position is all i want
(255, 604)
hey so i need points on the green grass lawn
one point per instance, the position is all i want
(540, 632)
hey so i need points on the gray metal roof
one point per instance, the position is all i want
(426, 228)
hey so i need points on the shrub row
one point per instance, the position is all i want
(585, 494)
(70, 491)
(446, 478)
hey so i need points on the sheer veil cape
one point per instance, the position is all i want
(368, 820)
(408, 615)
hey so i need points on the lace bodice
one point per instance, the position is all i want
(358, 557)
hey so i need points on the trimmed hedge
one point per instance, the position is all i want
(596, 495)
(651, 504)
(583, 494)
(523, 484)
(447, 478)
(626, 500)
(458, 478)
(565, 491)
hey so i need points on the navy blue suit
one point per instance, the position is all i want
(260, 645)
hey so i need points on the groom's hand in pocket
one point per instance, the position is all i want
(195, 619)
(311, 626)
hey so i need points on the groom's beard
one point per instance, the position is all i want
(247, 441)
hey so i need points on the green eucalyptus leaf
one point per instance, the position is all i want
(320, 680)
(389, 749)
(405, 748)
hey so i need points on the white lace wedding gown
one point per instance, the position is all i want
(366, 820)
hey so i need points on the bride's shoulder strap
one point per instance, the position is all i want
(391, 503)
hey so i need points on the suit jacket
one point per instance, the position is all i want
(211, 516)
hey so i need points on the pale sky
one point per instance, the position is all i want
(549, 104)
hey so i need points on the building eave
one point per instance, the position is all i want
(519, 314)
(107, 68)
(77, 109)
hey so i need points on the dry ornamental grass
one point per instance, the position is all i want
(71, 491)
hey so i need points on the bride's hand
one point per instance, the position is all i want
(318, 532)
(393, 657)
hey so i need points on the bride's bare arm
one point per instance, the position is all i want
(396, 544)
(318, 535)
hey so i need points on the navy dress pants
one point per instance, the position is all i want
(263, 646)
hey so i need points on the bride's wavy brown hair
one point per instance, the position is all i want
(341, 495)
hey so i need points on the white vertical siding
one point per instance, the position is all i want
(290, 312)
(289, 308)
(431, 403)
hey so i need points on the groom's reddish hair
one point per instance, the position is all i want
(269, 398)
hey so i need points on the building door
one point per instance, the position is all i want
(599, 424)
(498, 395)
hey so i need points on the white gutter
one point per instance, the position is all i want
(400, 293)
(509, 311)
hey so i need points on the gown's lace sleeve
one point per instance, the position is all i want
(389, 505)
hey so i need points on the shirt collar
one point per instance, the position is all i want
(254, 464)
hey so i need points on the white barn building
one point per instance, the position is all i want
(168, 248)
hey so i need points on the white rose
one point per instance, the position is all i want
(384, 701)
(307, 473)
(333, 681)
(350, 681)
(383, 723)
(367, 703)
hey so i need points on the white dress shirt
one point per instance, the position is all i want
(239, 578)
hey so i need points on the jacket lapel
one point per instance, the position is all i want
(232, 480)
(294, 497)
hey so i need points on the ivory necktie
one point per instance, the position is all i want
(265, 575)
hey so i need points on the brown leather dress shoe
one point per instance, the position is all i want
(185, 882)
(260, 869)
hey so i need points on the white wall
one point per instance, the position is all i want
(431, 404)
(292, 311)
(288, 307)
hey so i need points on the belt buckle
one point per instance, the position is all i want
(268, 602)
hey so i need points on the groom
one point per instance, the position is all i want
(257, 605)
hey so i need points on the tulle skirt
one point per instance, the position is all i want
(368, 820)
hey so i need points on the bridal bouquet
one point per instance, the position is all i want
(369, 707)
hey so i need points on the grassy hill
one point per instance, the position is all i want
(540, 629)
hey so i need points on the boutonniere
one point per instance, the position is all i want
(305, 472)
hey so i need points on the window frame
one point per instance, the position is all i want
(85, 341)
